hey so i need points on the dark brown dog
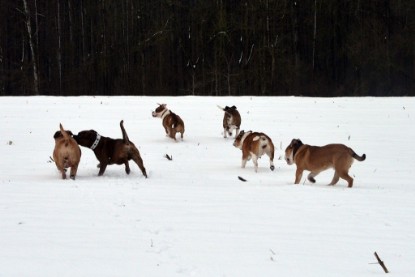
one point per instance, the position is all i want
(254, 145)
(319, 158)
(66, 153)
(231, 121)
(111, 151)
(172, 123)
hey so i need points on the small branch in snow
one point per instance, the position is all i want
(51, 160)
(381, 263)
(242, 179)
(272, 255)
(170, 158)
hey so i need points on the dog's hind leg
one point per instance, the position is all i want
(335, 179)
(270, 154)
(63, 173)
(74, 169)
(255, 161)
(137, 159)
(345, 175)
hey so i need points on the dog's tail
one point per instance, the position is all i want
(124, 133)
(226, 109)
(263, 140)
(63, 132)
(357, 157)
(223, 109)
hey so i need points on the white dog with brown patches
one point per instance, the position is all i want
(231, 121)
(317, 159)
(172, 123)
(254, 145)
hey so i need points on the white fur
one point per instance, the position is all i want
(243, 138)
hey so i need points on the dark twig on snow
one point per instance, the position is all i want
(381, 263)
(170, 158)
(242, 179)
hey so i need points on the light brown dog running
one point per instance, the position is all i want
(67, 152)
(172, 123)
(319, 158)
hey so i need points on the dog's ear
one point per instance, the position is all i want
(233, 108)
(69, 133)
(57, 134)
(296, 143)
(226, 108)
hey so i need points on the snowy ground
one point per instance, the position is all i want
(192, 216)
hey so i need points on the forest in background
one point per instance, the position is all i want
(207, 47)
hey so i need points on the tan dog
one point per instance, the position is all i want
(231, 121)
(67, 152)
(254, 145)
(172, 123)
(317, 159)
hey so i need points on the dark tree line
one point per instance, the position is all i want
(207, 47)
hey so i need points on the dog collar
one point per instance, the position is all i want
(165, 113)
(95, 144)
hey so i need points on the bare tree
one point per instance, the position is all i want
(32, 48)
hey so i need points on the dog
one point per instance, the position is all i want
(231, 121)
(254, 145)
(319, 158)
(110, 151)
(172, 123)
(67, 153)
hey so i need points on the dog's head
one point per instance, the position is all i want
(239, 140)
(291, 150)
(58, 134)
(229, 109)
(86, 138)
(159, 110)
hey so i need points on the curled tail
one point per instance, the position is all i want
(63, 132)
(263, 140)
(124, 133)
(359, 158)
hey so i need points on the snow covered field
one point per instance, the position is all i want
(193, 216)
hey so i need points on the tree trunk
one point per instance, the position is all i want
(59, 54)
(32, 49)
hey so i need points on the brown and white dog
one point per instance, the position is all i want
(111, 151)
(172, 123)
(319, 158)
(254, 145)
(67, 152)
(231, 121)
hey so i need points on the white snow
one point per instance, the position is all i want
(193, 216)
